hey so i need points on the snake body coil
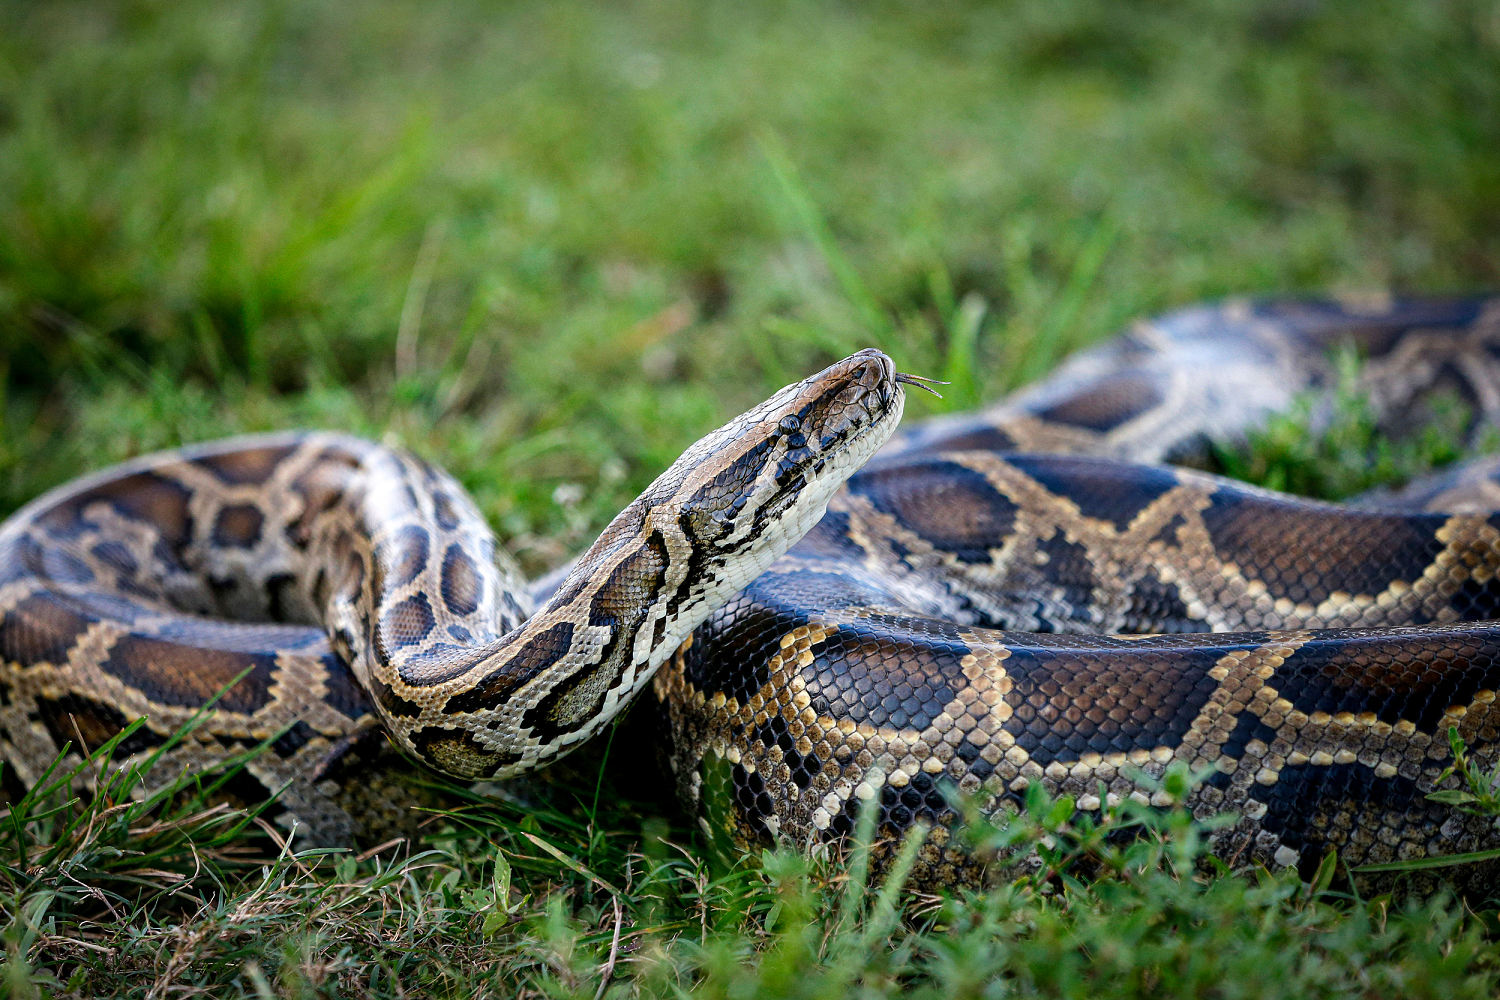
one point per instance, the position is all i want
(993, 601)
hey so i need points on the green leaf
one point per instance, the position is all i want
(1060, 812)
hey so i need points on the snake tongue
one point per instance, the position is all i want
(921, 382)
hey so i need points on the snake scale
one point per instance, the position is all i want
(826, 618)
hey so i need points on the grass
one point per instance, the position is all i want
(1329, 445)
(167, 896)
(548, 245)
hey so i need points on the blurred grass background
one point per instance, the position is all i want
(548, 244)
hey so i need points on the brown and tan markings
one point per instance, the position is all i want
(995, 601)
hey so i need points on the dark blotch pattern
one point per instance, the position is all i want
(245, 466)
(1069, 579)
(1309, 807)
(188, 676)
(1156, 606)
(155, 499)
(63, 566)
(41, 629)
(404, 556)
(1107, 491)
(21, 559)
(726, 493)
(238, 526)
(1414, 677)
(860, 673)
(1067, 702)
(539, 653)
(1107, 403)
(297, 736)
(958, 435)
(952, 507)
(460, 582)
(406, 623)
(444, 510)
(343, 692)
(1305, 552)
(1249, 727)
(74, 718)
(116, 556)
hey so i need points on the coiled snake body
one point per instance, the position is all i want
(992, 601)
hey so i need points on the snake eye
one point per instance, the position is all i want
(791, 432)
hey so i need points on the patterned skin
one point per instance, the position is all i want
(327, 589)
(969, 614)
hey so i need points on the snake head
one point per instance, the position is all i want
(761, 481)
